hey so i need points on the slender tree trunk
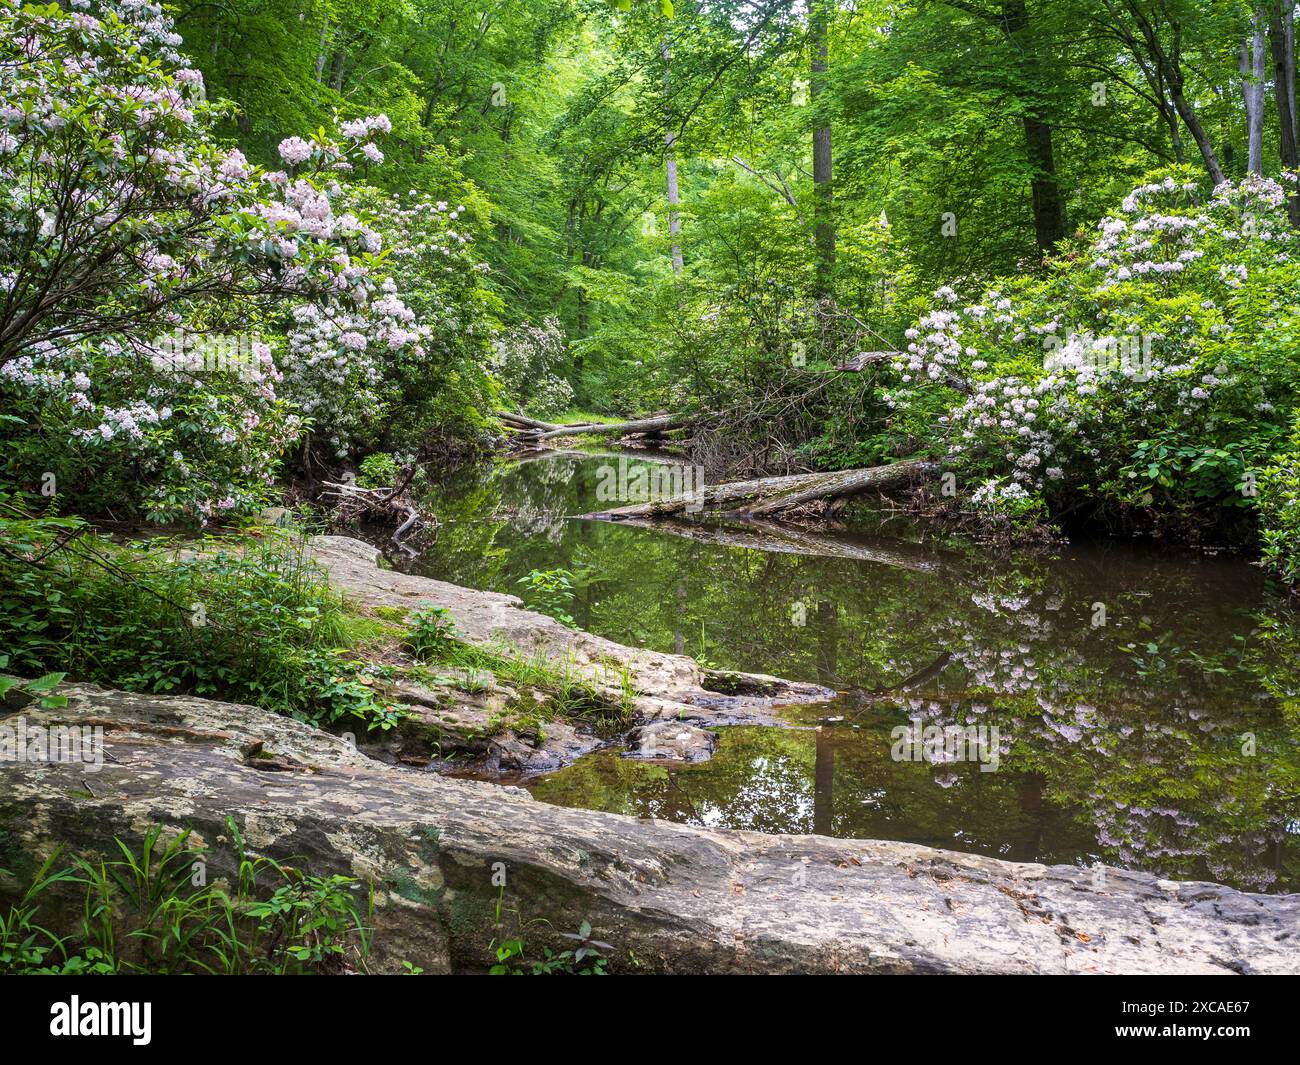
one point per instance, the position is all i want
(1281, 32)
(1194, 127)
(670, 170)
(1288, 29)
(1282, 63)
(1049, 205)
(1050, 223)
(1253, 72)
(1166, 66)
(824, 226)
(1175, 130)
(321, 54)
(1155, 79)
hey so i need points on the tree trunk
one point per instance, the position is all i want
(670, 169)
(1281, 32)
(769, 494)
(1050, 223)
(1282, 63)
(824, 226)
(321, 55)
(1166, 67)
(1194, 127)
(1253, 69)
(1049, 206)
(336, 75)
(1288, 30)
(824, 782)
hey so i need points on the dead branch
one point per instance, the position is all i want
(354, 505)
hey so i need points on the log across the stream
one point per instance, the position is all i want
(766, 495)
(534, 431)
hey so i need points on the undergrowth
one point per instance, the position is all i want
(251, 620)
(150, 910)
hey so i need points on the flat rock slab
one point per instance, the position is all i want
(671, 740)
(684, 899)
(669, 686)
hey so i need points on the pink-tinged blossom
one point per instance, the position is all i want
(295, 151)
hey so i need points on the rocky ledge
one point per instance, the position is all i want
(683, 899)
(673, 701)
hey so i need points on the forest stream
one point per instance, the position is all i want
(1139, 696)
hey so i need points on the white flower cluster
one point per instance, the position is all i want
(1139, 357)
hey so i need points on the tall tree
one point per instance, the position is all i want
(1281, 34)
(1253, 65)
(1012, 18)
(824, 225)
(1144, 28)
(1049, 204)
(670, 166)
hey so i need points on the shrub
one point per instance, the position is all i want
(528, 359)
(1147, 378)
(252, 621)
(432, 634)
(1279, 508)
(550, 592)
(428, 366)
(379, 470)
(138, 367)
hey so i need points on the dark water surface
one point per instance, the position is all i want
(1147, 705)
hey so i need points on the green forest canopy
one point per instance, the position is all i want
(631, 206)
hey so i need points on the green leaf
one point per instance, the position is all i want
(46, 683)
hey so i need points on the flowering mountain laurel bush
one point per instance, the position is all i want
(123, 226)
(527, 359)
(400, 370)
(1153, 372)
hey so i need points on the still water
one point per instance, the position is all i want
(1146, 704)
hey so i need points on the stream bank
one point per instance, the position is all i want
(681, 899)
(668, 701)
(442, 853)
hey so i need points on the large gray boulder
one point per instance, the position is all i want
(667, 686)
(683, 899)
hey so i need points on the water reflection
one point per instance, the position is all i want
(1149, 705)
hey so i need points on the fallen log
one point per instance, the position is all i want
(523, 421)
(769, 494)
(863, 359)
(538, 430)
